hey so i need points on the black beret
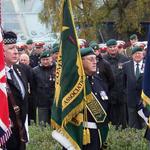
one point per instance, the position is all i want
(9, 37)
(87, 51)
(111, 42)
(136, 49)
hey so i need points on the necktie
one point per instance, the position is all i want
(14, 79)
(137, 72)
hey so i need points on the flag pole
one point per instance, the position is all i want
(0, 12)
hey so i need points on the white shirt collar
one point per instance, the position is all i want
(140, 63)
(7, 71)
(140, 66)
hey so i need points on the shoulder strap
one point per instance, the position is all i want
(16, 108)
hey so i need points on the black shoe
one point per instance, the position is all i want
(105, 146)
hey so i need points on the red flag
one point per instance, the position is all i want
(4, 112)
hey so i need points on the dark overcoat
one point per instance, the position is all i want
(14, 141)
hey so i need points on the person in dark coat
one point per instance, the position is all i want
(44, 78)
(103, 67)
(99, 89)
(55, 51)
(132, 42)
(133, 80)
(17, 91)
(98, 130)
(35, 55)
(118, 102)
(24, 62)
(31, 93)
(30, 46)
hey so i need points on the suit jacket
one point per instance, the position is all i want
(14, 141)
(133, 86)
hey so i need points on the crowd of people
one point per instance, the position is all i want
(115, 75)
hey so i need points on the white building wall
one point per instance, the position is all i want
(22, 18)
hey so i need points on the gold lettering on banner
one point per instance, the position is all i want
(69, 98)
(58, 68)
(96, 110)
(58, 75)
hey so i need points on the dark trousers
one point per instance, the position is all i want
(135, 121)
(118, 114)
(44, 115)
(14, 142)
(32, 110)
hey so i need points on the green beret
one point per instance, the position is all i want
(30, 41)
(136, 49)
(45, 54)
(111, 42)
(133, 36)
(94, 45)
(55, 45)
(92, 42)
(86, 51)
(55, 49)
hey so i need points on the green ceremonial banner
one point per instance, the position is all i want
(72, 91)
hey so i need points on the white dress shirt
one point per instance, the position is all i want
(141, 67)
(17, 78)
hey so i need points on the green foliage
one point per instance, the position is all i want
(127, 139)
(41, 139)
(126, 14)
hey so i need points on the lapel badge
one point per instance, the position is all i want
(119, 65)
(142, 68)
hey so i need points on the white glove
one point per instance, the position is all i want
(141, 114)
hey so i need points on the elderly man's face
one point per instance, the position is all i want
(24, 59)
(138, 56)
(89, 64)
(11, 54)
(46, 61)
(112, 50)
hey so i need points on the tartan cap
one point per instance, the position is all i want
(9, 37)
